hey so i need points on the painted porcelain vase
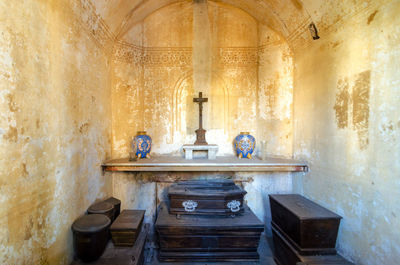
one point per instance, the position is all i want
(141, 145)
(244, 145)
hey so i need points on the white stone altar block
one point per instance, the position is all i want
(200, 151)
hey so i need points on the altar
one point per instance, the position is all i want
(220, 164)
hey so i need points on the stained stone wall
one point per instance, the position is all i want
(54, 125)
(346, 124)
(243, 67)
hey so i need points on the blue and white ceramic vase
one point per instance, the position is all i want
(244, 145)
(141, 145)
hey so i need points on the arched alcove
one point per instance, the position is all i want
(246, 61)
(185, 112)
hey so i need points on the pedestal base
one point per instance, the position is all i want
(200, 151)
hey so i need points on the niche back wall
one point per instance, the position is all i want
(241, 65)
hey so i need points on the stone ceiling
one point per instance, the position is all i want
(290, 18)
(284, 16)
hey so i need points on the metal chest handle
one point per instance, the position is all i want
(190, 206)
(234, 206)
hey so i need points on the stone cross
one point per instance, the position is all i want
(200, 132)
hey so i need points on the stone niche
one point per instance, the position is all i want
(241, 65)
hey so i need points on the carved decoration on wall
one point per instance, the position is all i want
(93, 23)
(153, 57)
(129, 53)
(167, 57)
(238, 57)
(182, 56)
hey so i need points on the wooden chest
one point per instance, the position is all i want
(117, 206)
(123, 255)
(307, 226)
(216, 197)
(126, 227)
(286, 254)
(208, 238)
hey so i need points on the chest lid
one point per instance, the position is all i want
(206, 188)
(302, 207)
(246, 220)
(128, 220)
(91, 223)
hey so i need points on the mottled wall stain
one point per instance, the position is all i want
(372, 17)
(12, 134)
(360, 98)
(342, 103)
(352, 105)
(298, 4)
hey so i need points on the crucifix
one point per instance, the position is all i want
(200, 132)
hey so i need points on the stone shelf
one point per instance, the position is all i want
(220, 164)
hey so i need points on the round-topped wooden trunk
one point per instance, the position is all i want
(90, 236)
(102, 208)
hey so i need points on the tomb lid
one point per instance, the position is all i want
(91, 223)
(113, 201)
(128, 220)
(214, 182)
(303, 207)
(246, 220)
(100, 207)
(206, 188)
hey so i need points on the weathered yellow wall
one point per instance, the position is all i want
(54, 125)
(242, 66)
(347, 126)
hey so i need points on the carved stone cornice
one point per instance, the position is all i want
(167, 57)
(129, 53)
(182, 56)
(238, 56)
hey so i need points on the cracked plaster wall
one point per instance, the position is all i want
(54, 125)
(347, 126)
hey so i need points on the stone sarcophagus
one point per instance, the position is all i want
(221, 197)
